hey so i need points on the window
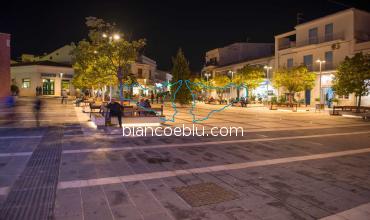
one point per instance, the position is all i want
(307, 61)
(312, 36)
(329, 60)
(150, 74)
(343, 96)
(289, 63)
(26, 83)
(329, 32)
(140, 73)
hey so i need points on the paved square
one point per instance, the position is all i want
(204, 194)
(301, 165)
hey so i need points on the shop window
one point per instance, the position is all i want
(26, 83)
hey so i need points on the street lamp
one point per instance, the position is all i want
(232, 75)
(116, 36)
(207, 75)
(267, 68)
(320, 92)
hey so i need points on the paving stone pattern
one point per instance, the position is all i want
(33, 194)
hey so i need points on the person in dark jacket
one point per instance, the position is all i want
(37, 109)
(115, 109)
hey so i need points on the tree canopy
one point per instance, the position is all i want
(353, 76)
(220, 82)
(180, 71)
(249, 76)
(294, 80)
(105, 57)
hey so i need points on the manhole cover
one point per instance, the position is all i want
(157, 160)
(205, 194)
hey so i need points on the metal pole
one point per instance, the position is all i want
(320, 86)
(267, 83)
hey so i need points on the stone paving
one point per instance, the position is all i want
(137, 177)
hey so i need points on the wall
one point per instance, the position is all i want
(34, 73)
(4, 65)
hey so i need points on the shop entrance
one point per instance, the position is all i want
(47, 86)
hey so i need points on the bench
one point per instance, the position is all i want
(336, 109)
(132, 115)
(94, 107)
(274, 106)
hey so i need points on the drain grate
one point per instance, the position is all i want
(33, 194)
(205, 194)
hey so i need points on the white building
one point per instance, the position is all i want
(228, 60)
(51, 77)
(330, 38)
(46, 71)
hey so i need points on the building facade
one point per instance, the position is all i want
(330, 39)
(51, 77)
(228, 60)
(53, 72)
(4, 65)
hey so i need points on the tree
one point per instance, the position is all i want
(220, 82)
(180, 71)
(353, 76)
(294, 80)
(249, 76)
(105, 58)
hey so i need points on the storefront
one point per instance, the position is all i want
(52, 79)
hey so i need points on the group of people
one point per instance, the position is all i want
(115, 109)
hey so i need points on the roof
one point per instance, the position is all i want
(330, 15)
(41, 63)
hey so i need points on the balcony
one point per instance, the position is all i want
(321, 39)
(212, 63)
(311, 41)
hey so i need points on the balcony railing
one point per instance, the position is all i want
(321, 39)
(311, 41)
(211, 63)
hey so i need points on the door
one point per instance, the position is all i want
(47, 86)
(307, 96)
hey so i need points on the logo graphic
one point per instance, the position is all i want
(189, 85)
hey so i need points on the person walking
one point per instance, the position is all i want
(152, 97)
(37, 109)
(64, 96)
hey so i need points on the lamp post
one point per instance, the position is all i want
(232, 76)
(61, 82)
(114, 37)
(320, 90)
(207, 75)
(267, 68)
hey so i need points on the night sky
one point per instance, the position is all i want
(195, 26)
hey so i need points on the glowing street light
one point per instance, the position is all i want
(116, 36)
(105, 35)
(320, 62)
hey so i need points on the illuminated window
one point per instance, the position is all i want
(26, 83)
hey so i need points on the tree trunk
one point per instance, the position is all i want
(237, 93)
(358, 104)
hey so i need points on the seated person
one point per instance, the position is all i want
(141, 107)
